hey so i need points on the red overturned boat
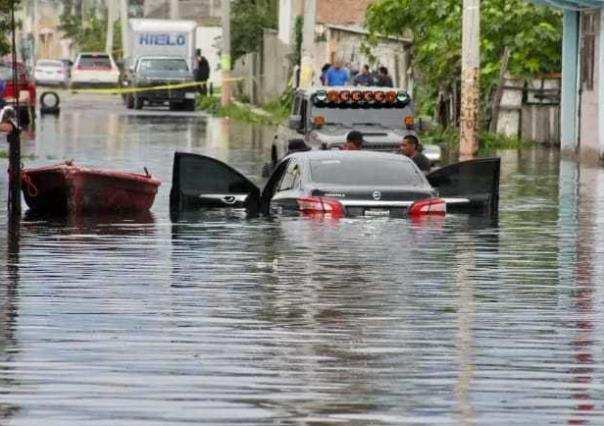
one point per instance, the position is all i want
(67, 188)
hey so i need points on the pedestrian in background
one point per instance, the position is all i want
(354, 141)
(202, 72)
(410, 147)
(383, 79)
(364, 78)
(336, 75)
(323, 77)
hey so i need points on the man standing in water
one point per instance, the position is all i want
(410, 148)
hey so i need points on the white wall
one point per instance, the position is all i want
(208, 39)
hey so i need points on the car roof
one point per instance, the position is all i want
(342, 154)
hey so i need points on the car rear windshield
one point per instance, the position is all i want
(94, 61)
(365, 171)
(157, 64)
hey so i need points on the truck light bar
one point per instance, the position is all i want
(348, 98)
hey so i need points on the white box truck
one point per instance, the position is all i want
(160, 37)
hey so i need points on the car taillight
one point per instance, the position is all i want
(430, 206)
(320, 205)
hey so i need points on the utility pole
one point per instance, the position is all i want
(124, 22)
(14, 139)
(225, 60)
(110, 22)
(470, 79)
(308, 42)
(34, 29)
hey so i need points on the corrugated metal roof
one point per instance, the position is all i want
(571, 4)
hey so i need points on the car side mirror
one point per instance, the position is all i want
(295, 122)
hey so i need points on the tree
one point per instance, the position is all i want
(532, 33)
(89, 31)
(5, 25)
(248, 20)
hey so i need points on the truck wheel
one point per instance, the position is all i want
(190, 105)
(129, 101)
(138, 102)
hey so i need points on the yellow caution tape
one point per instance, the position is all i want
(126, 89)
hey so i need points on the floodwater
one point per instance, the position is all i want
(299, 321)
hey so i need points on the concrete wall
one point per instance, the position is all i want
(275, 67)
(264, 76)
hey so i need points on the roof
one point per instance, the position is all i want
(571, 4)
(362, 31)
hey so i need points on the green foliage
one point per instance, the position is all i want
(532, 33)
(5, 25)
(240, 112)
(449, 138)
(298, 29)
(248, 20)
(89, 30)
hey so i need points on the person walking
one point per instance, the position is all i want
(202, 73)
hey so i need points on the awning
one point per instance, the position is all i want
(571, 4)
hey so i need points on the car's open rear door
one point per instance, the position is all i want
(199, 181)
(469, 186)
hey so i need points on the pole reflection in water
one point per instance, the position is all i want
(584, 293)
(464, 339)
(8, 318)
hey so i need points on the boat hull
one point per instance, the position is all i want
(66, 188)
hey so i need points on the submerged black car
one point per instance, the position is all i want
(338, 183)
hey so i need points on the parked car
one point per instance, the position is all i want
(338, 183)
(26, 89)
(50, 72)
(153, 71)
(94, 69)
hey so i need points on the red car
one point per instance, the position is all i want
(26, 90)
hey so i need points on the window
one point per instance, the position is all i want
(589, 29)
(291, 178)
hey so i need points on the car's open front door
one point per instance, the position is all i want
(199, 182)
(469, 186)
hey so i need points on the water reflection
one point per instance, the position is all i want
(9, 348)
(226, 319)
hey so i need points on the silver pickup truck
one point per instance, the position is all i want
(323, 116)
(150, 77)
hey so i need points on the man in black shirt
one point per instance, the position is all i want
(410, 148)
(202, 72)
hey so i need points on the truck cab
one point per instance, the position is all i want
(323, 116)
(150, 79)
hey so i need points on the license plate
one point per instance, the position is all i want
(189, 95)
(377, 212)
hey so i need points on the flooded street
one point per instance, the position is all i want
(297, 321)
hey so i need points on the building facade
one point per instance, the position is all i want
(582, 99)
